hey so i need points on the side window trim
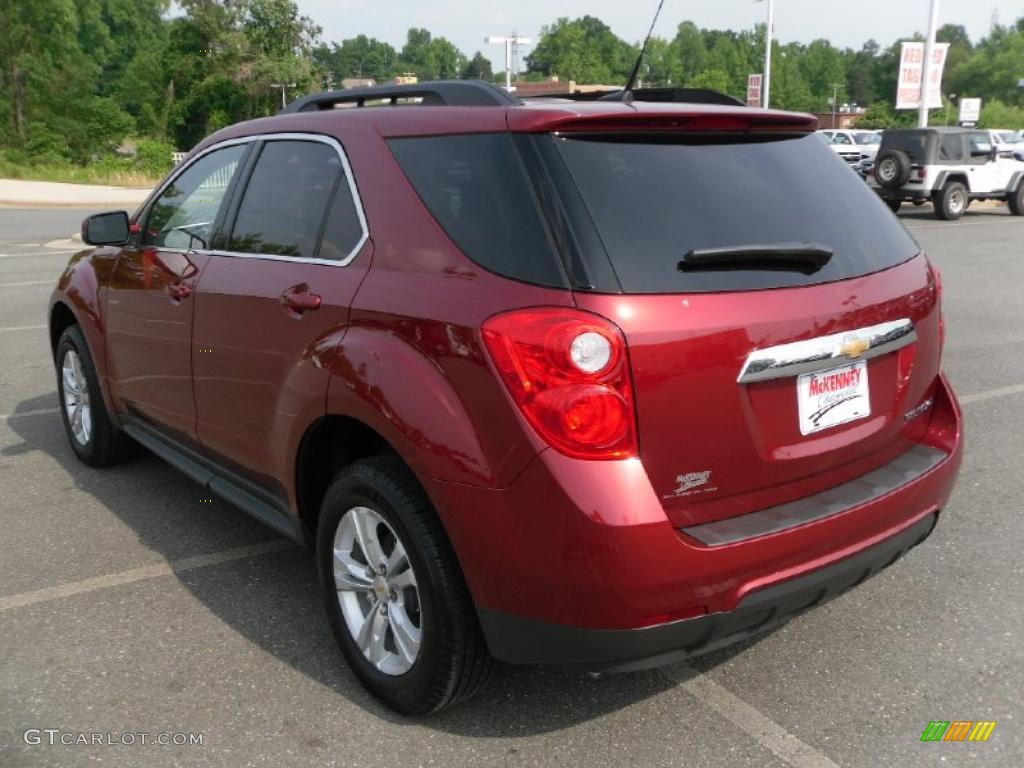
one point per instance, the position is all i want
(243, 182)
(218, 222)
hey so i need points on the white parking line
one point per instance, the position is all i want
(35, 255)
(26, 414)
(33, 282)
(978, 397)
(140, 574)
(762, 729)
(21, 328)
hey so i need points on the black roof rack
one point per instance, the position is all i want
(439, 93)
(673, 95)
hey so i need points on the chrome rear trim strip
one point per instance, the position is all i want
(825, 352)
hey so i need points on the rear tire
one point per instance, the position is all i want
(951, 201)
(422, 648)
(1016, 200)
(894, 205)
(94, 437)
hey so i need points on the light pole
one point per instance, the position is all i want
(949, 103)
(835, 101)
(926, 66)
(508, 42)
(767, 85)
(284, 92)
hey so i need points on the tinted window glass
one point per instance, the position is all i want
(951, 149)
(981, 144)
(477, 190)
(285, 200)
(344, 229)
(653, 202)
(183, 216)
(914, 143)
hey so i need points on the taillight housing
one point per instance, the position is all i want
(568, 373)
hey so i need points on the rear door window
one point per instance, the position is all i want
(652, 201)
(284, 203)
(951, 149)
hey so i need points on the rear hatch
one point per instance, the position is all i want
(782, 325)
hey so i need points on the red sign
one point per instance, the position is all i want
(754, 83)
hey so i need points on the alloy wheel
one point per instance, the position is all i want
(377, 591)
(76, 398)
(957, 201)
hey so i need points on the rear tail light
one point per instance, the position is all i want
(568, 373)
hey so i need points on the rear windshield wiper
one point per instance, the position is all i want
(799, 257)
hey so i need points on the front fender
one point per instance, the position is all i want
(407, 396)
(81, 290)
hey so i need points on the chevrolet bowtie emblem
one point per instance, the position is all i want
(854, 347)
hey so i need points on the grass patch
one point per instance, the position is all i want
(109, 173)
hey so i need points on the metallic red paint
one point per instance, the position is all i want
(396, 345)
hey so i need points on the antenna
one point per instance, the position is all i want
(643, 49)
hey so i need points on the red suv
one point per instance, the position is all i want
(604, 384)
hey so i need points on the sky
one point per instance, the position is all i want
(848, 23)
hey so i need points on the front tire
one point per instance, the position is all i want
(1016, 200)
(395, 597)
(94, 437)
(951, 201)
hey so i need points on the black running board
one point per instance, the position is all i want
(214, 478)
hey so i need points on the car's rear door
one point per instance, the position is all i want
(273, 302)
(150, 294)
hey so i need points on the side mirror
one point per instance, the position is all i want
(109, 228)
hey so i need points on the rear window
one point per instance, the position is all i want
(654, 201)
(914, 144)
(477, 189)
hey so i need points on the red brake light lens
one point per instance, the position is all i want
(568, 373)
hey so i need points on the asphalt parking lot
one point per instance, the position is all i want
(130, 605)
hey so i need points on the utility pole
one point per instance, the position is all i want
(927, 64)
(284, 92)
(508, 42)
(835, 103)
(768, 53)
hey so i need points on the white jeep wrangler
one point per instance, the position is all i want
(948, 167)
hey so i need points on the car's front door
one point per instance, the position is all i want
(273, 303)
(149, 298)
(985, 168)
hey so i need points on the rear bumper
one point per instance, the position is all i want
(903, 193)
(516, 640)
(577, 562)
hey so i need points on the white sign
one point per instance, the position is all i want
(754, 83)
(908, 91)
(970, 111)
(829, 398)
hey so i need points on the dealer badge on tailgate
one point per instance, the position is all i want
(832, 397)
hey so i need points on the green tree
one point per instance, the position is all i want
(690, 51)
(585, 50)
(430, 58)
(478, 68)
